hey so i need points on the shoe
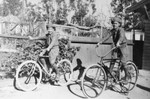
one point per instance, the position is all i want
(125, 80)
(77, 81)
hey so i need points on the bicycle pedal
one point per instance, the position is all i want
(124, 82)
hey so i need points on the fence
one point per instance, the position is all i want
(86, 53)
(11, 33)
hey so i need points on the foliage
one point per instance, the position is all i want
(10, 6)
(61, 13)
(27, 51)
(130, 20)
(81, 9)
(30, 50)
(66, 51)
(120, 5)
(47, 10)
(90, 21)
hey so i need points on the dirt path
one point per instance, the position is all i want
(47, 91)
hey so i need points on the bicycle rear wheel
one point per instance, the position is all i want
(127, 86)
(28, 75)
(124, 85)
(133, 71)
(93, 81)
(64, 72)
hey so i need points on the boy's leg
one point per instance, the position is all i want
(124, 60)
(112, 62)
(44, 60)
(52, 58)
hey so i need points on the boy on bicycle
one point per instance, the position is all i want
(51, 48)
(119, 40)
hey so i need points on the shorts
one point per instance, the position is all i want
(54, 52)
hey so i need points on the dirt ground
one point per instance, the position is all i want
(47, 91)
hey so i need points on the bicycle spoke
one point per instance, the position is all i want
(64, 72)
(133, 71)
(93, 81)
(28, 76)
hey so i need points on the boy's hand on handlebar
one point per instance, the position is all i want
(30, 38)
(47, 49)
(97, 45)
(44, 51)
(118, 44)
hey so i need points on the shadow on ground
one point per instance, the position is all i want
(143, 87)
(75, 88)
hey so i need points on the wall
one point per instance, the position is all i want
(138, 48)
(87, 52)
(146, 49)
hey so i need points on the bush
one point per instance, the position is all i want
(29, 51)
(10, 61)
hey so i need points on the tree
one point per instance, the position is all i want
(12, 6)
(119, 8)
(81, 10)
(59, 16)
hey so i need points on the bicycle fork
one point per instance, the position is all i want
(30, 75)
(97, 78)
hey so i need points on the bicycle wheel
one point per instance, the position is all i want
(64, 72)
(28, 75)
(93, 81)
(124, 85)
(133, 71)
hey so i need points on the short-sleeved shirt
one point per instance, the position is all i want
(49, 38)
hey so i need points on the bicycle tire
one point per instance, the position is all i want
(134, 72)
(120, 74)
(64, 72)
(131, 83)
(26, 71)
(93, 81)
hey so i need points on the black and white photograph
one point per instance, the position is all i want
(75, 49)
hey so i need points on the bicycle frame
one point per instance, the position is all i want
(96, 79)
(101, 62)
(41, 65)
(103, 56)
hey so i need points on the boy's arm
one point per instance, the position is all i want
(122, 36)
(105, 39)
(37, 38)
(83, 27)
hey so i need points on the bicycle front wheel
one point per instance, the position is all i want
(93, 81)
(28, 75)
(64, 72)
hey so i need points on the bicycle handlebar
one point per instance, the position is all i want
(102, 56)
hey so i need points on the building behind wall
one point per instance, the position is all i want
(141, 48)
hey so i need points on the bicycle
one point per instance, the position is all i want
(29, 74)
(97, 77)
